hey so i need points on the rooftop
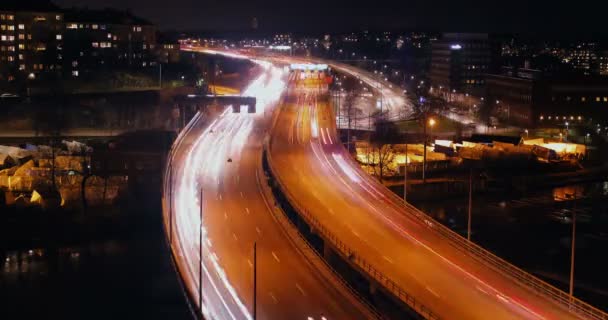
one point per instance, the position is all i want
(28, 5)
(104, 16)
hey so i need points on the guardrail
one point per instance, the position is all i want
(349, 253)
(168, 216)
(297, 237)
(486, 257)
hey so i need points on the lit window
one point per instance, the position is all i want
(583, 99)
(109, 36)
(72, 26)
(21, 46)
(58, 37)
(605, 99)
(597, 99)
(21, 36)
(10, 17)
(75, 73)
(3, 37)
(21, 67)
(21, 26)
(58, 17)
(95, 44)
(11, 28)
(11, 58)
(94, 26)
(20, 56)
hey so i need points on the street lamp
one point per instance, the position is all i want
(431, 123)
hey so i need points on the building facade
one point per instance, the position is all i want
(529, 97)
(31, 40)
(459, 62)
(107, 39)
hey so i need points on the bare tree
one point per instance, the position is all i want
(383, 155)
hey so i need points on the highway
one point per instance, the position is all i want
(217, 156)
(319, 173)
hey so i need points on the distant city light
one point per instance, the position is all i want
(455, 47)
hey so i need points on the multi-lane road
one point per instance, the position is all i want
(317, 171)
(217, 157)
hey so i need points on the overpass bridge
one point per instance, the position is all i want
(402, 253)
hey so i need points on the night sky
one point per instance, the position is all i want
(578, 18)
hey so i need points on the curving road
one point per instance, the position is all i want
(320, 174)
(235, 214)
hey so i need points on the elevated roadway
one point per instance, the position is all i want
(213, 195)
(446, 274)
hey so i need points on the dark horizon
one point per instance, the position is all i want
(518, 16)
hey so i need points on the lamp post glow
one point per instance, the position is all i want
(431, 122)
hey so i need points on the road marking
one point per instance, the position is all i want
(220, 196)
(388, 259)
(225, 215)
(247, 209)
(275, 257)
(300, 289)
(482, 290)
(242, 196)
(329, 136)
(234, 236)
(249, 263)
(258, 230)
(431, 291)
(273, 297)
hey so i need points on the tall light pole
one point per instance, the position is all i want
(470, 204)
(170, 204)
(200, 254)
(431, 123)
(573, 246)
(255, 281)
(405, 176)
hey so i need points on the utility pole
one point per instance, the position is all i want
(160, 75)
(171, 204)
(405, 177)
(573, 246)
(470, 204)
(424, 151)
(200, 254)
(255, 280)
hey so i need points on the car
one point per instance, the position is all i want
(8, 95)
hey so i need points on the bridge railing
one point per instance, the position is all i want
(489, 259)
(349, 253)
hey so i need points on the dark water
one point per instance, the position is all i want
(534, 232)
(118, 273)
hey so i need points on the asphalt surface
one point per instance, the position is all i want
(317, 170)
(220, 155)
